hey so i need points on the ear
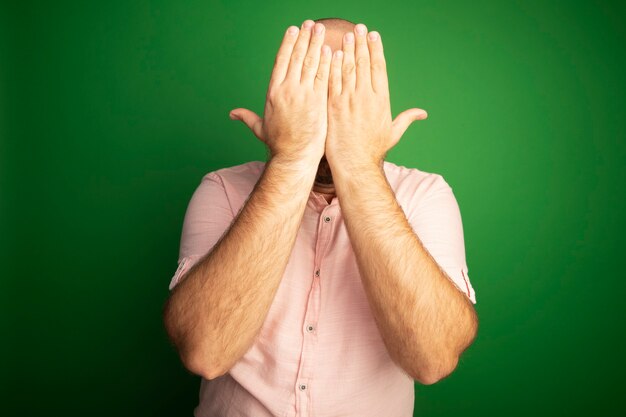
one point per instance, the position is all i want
(250, 119)
(402, 122)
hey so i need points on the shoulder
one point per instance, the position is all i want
(242, 173)
(237, 179)
(237, 182)
(412, 185)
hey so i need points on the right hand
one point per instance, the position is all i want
(295, 117)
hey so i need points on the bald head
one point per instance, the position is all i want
(335, 29)
(336, 23)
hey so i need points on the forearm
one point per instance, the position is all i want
(214, 314)
(425, 321)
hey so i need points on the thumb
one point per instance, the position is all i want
(250, 119)
(402, 122)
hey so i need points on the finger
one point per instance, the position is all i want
(281, 63)
(334, 83)
(311, 62)
(250, 119)
(348, 76)
(402, 122)
(321, 79)
(362, 57)
(378, 66)
(299, 51)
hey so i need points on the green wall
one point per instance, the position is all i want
(111, 112)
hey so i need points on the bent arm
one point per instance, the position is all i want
(425, 321)
(214, 314)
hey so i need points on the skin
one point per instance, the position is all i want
(425, 321)
(215, 312)
(334, 38)
(334, 30)
(337, 108)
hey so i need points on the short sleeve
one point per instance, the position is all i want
(208, 216)
(436, 220)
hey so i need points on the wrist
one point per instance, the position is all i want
(355, 166)
(300, 165)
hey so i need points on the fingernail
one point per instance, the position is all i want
(361, 29)
(308, 24)
(338, 53)
(319, 28)
(373, 36)
(292, 30)
(349, 38)
(326, 50)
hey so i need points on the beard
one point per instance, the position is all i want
(324, 175)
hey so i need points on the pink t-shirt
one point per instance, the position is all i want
(319, 352)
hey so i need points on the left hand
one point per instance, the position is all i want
(360, 128)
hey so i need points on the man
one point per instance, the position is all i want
(327, 280)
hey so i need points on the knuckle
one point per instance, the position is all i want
(309, 62)
(362, 61)
(348, 68)
(281, 58)
(334, 101)
(378, 65)
(297, 56)
(272, 95)
(344, 104)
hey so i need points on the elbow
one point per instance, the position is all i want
(436, 371)
(201, 368)
(442, 365)
(193, 357)
(428, 379)
(199, 365)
